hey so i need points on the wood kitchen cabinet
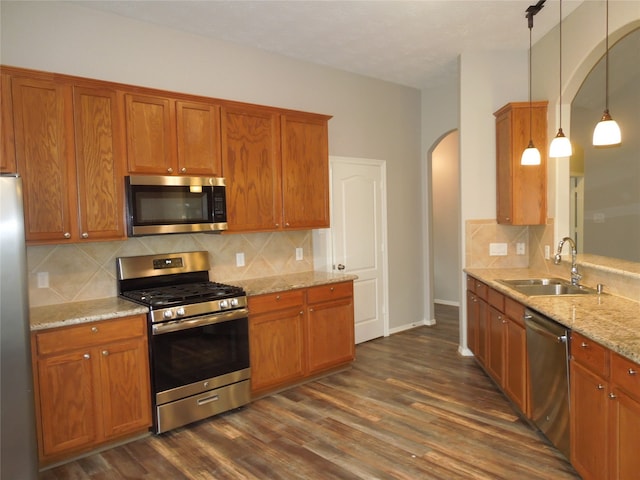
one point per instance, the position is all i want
(605, 411)
(297, 334)
(497, 337)
(277, 169)
(68, 151)
(166, 136)
(276, 339)
(251, 163)
(7, 149)
(521, 189)
(305, 171)
(330, 331)
(91, 385)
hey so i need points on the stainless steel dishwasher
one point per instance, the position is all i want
(548, 352)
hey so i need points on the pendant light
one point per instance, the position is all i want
(560, 145)
(607, 131)
(531, 155)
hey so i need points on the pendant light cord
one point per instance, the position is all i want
(530, 105)
(606, 60)
(560, 90)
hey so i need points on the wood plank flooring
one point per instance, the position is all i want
(410, 408)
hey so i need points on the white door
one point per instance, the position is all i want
(358, 231)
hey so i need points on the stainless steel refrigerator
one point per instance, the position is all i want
(18, 450)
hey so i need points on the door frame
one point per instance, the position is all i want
(323, 246)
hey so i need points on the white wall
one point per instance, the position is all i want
(371, 118)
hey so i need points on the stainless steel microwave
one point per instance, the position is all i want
(159, 205)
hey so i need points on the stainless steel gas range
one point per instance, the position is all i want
(198, 336)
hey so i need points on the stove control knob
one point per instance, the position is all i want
(234, 302)
(167, 314)
(224, 304)
(180, 311)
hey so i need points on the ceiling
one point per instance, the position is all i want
(412, 43)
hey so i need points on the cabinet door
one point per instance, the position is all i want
(43, 126)
(126, 398)
(67, 402)
(99, 157)
(198, 130)
(276, 348)
(504, 167)
(251, 167)
(515, 375)
(7, 149)
(151, 134)
(472, 322)
(496, 345)
(625, 428)
(483, 331)
(305, 172)
(589, 423)
(330, 334)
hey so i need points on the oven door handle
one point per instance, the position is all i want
(219, 317)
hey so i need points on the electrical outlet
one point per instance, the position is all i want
(497, 249)
(520, 248)
(43, 279)
(299, 255)
(240, 259)
(547, 252)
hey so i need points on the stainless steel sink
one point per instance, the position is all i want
(546, 287)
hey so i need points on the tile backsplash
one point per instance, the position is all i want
(481, 233)
(86, 271)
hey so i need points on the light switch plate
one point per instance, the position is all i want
(240, 259)
(299, 254)
(520, 248)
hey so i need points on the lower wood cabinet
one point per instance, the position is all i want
(91, 384)
(605, 412)
(297, 334)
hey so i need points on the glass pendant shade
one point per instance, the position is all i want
(607, 132)
(560, 146)
(531, 156)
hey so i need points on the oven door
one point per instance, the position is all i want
(196, 354)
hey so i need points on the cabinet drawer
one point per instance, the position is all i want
(590, 354)
(514, 310)
(471, 284)
(275, 301)
(90, 334)
(482, 290)
(329, 292)
(496, 299)
(625, 374)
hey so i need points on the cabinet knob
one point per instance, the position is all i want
(600, 386)
(301, 312)
(286, 224)
(277, 225)
(332, 289)
(584, 345)
(631, 371)
(277, 297)
(169, 170)
(67, 235)
(86, 356)
(85, 235)
(105, 353)
(612, 395)
(183, 169)
(94, 329)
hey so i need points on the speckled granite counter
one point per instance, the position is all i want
(65, 314)
(608, 319)
(258, 286)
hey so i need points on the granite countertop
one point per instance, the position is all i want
(610, 320)
(65, 314)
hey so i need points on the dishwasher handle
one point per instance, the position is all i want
(534, 325)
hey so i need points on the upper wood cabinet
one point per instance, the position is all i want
(252, 168)
(7, 147)
(68, 151)
(172, 137)
(277, 169)
(305, 171)
(521, 189)
(43, 127)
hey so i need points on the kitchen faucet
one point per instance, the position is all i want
(575, 276)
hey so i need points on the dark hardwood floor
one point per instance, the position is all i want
(410, 408)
